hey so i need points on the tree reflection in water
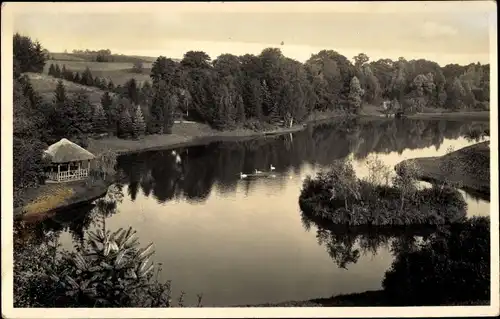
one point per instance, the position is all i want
(156, 174)
(444, 265)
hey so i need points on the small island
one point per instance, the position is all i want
(339, 197)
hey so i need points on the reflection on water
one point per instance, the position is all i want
(244, 241)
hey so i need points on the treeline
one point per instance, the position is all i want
(85, 78)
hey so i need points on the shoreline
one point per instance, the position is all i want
(45, 202)
(369, 298)
(196, 134)
(188, 135)
(473, 165)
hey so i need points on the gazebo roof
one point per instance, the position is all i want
(66, 151)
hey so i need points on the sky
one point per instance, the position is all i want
(445, 32)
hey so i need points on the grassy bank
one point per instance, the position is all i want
(374, 298)
(467, 168)
(471, 116)
(183, 134)
(50, 198)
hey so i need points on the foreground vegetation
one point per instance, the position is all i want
(467, 168)
(341, 198)
(105, 269)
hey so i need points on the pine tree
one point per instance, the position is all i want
(132, 91)
(125, 126)
(100, 121)
(355, 96)
(106, 102)
(139, 123)
(240, 110)
(77, 78)
(60, 97)
(111, 86)
(83, 112)
(158, 105)
(87, 78)
(64, 73)
(52, 70)
(57, 71)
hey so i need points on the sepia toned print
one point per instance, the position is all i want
(204, 155)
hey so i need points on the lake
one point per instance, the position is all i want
(244, 241)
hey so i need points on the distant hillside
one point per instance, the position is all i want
(46, 85)
(118, 72)
(116, 58)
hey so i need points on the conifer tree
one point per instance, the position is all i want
(52, 70)
(158, 106)
(57, 71)
(77, 78)
(106, 102)
(139, 124)
(125, 126)
(100, 121)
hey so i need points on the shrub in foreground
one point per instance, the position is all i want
(452, 267)
(106, 270)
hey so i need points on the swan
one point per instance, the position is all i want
(177, 159)
(243, 175)
(272, 167)
(258, 172)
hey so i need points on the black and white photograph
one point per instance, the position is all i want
(249, 159)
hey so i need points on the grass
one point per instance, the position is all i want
(467, 168)
(182, 134)
(46, 85)
(49, 198)
(118, 72)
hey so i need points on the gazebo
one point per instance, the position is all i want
(69, 161)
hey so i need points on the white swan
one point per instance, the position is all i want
(258, 172)
(272, 167)
(243, 175)
(178, 159)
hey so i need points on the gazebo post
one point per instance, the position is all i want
(58, 172)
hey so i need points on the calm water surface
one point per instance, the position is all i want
(243, 241)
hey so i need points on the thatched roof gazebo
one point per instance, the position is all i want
(68, 159)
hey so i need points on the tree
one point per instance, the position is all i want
(125, 128)
(138, 67)
(52, 70)
(158, 107)
(455, 94)
(29, 55)
(106, 102)
(81, 109)
(132, 92)
(57, 72)
(360, 60)
(139, 126)
(87, 78)
(355, 96)
(196, 59)
(100, 121)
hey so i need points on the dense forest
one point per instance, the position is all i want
(253, 91)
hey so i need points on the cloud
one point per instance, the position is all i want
(433, 30)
